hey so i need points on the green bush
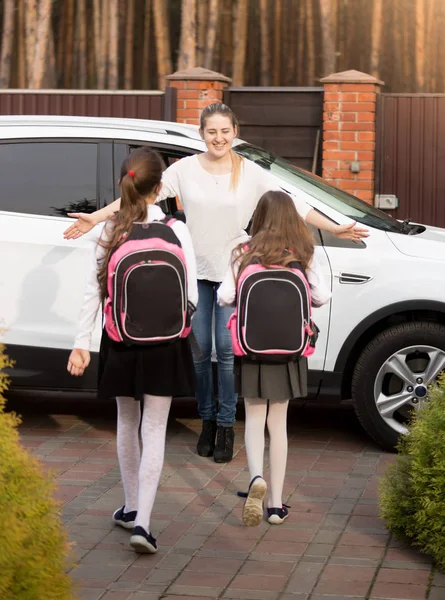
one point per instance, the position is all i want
(412, 491)
(33, 543)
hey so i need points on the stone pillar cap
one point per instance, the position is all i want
(198, 74)
(351, 77)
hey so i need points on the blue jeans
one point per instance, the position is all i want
(202, 329)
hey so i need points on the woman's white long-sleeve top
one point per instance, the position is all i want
(218, 215)
(91, 299)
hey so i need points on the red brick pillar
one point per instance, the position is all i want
(349, 131)
(197, 88)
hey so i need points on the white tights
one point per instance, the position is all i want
(140, 475)
(256, 411)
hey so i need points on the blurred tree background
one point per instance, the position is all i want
(134, 44)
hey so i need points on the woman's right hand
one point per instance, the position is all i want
(85, 222)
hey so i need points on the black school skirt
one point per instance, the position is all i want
(159, 370)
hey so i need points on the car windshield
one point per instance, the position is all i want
(342, 202)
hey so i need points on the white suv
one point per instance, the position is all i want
(382, 337)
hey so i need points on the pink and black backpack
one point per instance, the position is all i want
(272, 321)
(147, 287)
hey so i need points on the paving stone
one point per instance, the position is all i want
(97, 571)
(436, 593)
(194, 591)
(329, 549)
(342, 508)
(304, 578)
(326, 537)
(439, 579)
(250, 594)
(89, 593)
(314, 549)
(398, 591)
(341, 588)
(336, 597)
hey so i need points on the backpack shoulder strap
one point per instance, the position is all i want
(168, 220)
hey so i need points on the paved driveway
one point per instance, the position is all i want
(333, 545)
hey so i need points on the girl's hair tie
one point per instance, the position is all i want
(131, 173)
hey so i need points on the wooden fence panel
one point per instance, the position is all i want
(284, 120)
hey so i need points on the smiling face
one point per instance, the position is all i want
(218, 134)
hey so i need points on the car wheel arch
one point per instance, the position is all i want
(373, 324)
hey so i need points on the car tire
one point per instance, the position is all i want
(373, 358)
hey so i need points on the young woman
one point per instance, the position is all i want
(219, 191)
(279, 237)
(136, 375)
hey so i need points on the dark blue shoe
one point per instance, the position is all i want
(276, 516)
(142, 541)
(126, 520)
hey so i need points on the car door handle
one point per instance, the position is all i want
(352, 278)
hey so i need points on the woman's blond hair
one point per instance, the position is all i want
(218, 108)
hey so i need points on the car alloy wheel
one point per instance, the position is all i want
(402, 382)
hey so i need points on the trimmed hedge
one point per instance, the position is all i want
(33, 542)
(412, 491)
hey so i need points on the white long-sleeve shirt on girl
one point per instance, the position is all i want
(320, 292)
(91, 298)
(217, 215)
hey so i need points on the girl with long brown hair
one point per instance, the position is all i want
(219, 191)
(136, 375)
(279, 238)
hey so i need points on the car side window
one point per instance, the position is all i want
(169, 156)
(48, 178)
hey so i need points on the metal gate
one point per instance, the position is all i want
(285, 120)
(410, 155)
(156, 105)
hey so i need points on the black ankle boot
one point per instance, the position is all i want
(225, 437)
(206, 442)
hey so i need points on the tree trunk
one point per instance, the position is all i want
(202, 9)
(301, 57)
(265, 49)
(146, 46)
(240, 41)
(129, 36)
(21, 44)
(7, 40)
(99, 31)
(407, 52)
(376, 37)
(30, 37)
(420, 45)
(42, 39)
(113, 64)
(327, 34)
(69, 41)
(50, 79)
(310, 43)
(187, 45)
(277, 42)
(162, 35)
(431, 36)
(82, 39)
(293, 20)
(212, 27)
(226, 38)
